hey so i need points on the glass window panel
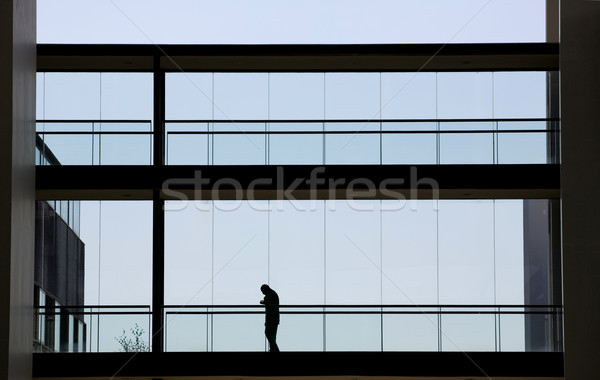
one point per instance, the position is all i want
(239, 332)
(241, 96)
(509, 252)
(72, 96)
(352, 147)
(240, 252)
(465, 95)
(522, 148)
(291, 149)
(409, 249)
(512, 332)
(187, 149)
(466, 148)
(183, 149)
(404, 148)
(127, 96)
(466, 252)
(242, 149)
(188, 253)
(296, 249)
(70, 149)
(359, 332)
(296, 96)
(463, 332)
(466, 125)
(352, 96)
(300, 332)
(408, 95)
(353, 253)
(123, 149)
(524, 125)
(118, 248)
(520, 94)
(123, 127)
(189, 96)
(410, 332)
(186, 332)
(113, 327)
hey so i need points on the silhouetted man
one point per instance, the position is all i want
(271, 302)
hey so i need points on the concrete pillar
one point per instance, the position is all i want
(580, 181)
(17, 189)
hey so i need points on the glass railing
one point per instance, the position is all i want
(321, 328)
(301, 142)
(367, 328)
(365, 142)
(92, 329)
(94, 142)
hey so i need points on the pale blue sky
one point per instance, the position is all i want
(290, 22)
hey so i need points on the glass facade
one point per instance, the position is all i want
(402, 275)
(299, 118)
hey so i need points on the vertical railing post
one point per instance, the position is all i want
(158, 219)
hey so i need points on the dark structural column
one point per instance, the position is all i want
(17, 192)
(158, 217)
(580, 184)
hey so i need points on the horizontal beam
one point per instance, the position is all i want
(316, 364)
(262, 182)
(376, 57)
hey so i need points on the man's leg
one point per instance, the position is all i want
(271, 334)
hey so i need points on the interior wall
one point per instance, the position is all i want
(580, 180)
(17, 195)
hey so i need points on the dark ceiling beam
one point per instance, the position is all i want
(262, 182)
(382, 57)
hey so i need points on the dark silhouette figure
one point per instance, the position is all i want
(271, 302)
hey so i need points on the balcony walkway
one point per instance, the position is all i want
(351, 365)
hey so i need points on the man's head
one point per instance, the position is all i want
(265, 288)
